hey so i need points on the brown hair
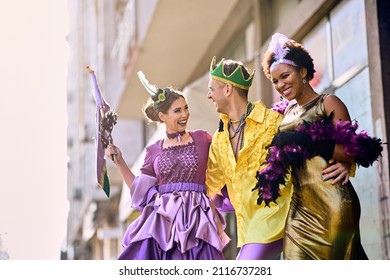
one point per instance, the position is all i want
(154, 105)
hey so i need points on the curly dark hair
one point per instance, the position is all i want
(154, 106)
(297, 53)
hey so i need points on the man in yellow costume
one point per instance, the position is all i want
(237, 152)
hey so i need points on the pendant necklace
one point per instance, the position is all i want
(241, 122)
(240, 130)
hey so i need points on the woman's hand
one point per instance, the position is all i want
(338, 172)
(114, 153)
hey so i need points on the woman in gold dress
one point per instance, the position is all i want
(323, 220)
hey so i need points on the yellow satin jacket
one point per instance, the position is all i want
(255, 223)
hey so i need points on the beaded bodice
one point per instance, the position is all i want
(178, 164)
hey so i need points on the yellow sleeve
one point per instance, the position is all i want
(352, 170)
(214, 175)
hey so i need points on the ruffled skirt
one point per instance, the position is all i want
(180, 224)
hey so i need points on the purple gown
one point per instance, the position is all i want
(181, 223)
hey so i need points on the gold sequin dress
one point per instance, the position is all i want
(323, 220)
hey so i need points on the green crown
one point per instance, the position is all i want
(236, 78)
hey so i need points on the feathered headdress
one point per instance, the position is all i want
(152, 89)
(280, 50)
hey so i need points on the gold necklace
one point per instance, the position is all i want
(242, 121)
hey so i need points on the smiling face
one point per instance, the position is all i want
(217, 93)
(288, 80)
(177, 116)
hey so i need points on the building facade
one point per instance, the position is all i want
(172, 42)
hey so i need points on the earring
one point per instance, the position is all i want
(304, 83)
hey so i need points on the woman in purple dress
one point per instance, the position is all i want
(178, 221)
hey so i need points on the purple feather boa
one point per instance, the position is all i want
(280, 106)
(365, 150)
